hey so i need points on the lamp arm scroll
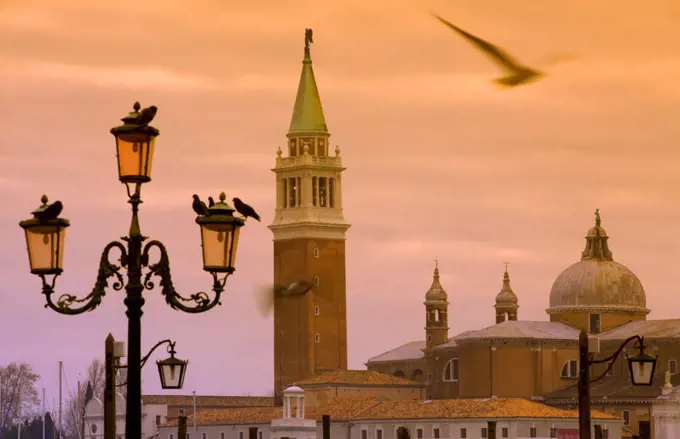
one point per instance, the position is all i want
(613, 357)
(64, 303)
(161, 269)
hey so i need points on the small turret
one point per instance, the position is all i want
(506, 301)
(436, 312)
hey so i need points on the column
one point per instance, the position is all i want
(302, 407)
(338, 191)
(298, 411)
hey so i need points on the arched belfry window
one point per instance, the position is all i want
(451, 370)
(315, 190)
(570, 369)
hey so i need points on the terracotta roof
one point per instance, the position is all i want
(373, 408)
(410, 351)
(357, 377)
(210, 401)
(669, 328)
(523, 329)
(470, 409)
(617, 387)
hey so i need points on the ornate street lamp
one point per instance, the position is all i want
(641, 368)
(45, 234)
(172, 370)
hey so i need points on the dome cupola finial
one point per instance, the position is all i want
(596, 242)
(436, 292)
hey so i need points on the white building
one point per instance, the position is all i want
(379, 418)
(94, 418)
(666, 411)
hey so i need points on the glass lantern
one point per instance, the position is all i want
(172, 371)
(134, 148)
(45, 242)
(642, 368)
(219, 237)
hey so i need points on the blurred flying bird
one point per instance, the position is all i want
(211, 202)
(199, 206)
(518, 74)
(245, 210)
(265, 295)
(146, 115)
(50, 212)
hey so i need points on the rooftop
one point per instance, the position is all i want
(357, 377)
(650, 329)
(523, 329)
(410, 351)
(373, 408)
(211, 401)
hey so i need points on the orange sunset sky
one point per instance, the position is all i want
(439, 162)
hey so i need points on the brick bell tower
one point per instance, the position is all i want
(310, 331)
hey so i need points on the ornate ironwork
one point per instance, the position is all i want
(65, 302)
(639, 344)
(161, 269)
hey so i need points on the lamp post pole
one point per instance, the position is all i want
(45, 234)
(641, 369)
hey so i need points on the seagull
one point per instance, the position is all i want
(199, 206)
(518, 74)
(245, 210)
(50, 212)
(146, 115)
(265, 295)
(211, 202)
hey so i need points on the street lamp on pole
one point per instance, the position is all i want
(45, 235)
(641, 367)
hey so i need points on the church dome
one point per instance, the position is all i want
(436, 292)
(597, 282)
(506, 296)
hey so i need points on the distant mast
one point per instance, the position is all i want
(61, 369)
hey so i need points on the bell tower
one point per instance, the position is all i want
(310, 331)
(436, 312)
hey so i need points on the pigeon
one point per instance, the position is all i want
(245, 210)
(265, 295)
(146, 115)
(211, 202)
(199, 206)
(50, 212)
(518, 74)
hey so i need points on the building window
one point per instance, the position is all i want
(259, 435)
(316, 310)
(429, 396)
(364, 434)
(570, 369)
(504, 432)
(316, 252)
(463, 433)
(204, 435)
(188, 435)
(292, 192)
(379, 433)
(594, 323)
(181, 412)
(605, 433)
(331, 192)
(221, 435)
(553, 432)
(532, 432)
(429, 377)
(626, 417)
(485, 432)
(158, 420)
(435, 433)
(322, 191)
(316, 280)
(451, 370)
(673, 367)
(429, 338)
(317, 338)
(419, 433)
(93, 428)
(314, 192)
(240, 435)
(170, 436)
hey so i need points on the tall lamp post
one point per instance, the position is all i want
(135, 143)
(641, 367)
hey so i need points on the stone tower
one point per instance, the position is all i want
(436, 312)
(506, 301)
(310, 330)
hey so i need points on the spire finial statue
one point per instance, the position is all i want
(309, 39)
(436, 263)
(506, 266)
(597, 218)
(667, 376)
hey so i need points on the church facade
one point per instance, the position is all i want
(538, 360)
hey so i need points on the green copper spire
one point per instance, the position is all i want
(307, 113)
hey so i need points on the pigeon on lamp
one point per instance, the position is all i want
(211, 202)
(199, 207)
(146, 115)
(517, 74)
(265, 295)
(50, 212)
(245, 210)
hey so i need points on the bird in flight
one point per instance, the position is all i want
(265, 295)
(517, 74)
